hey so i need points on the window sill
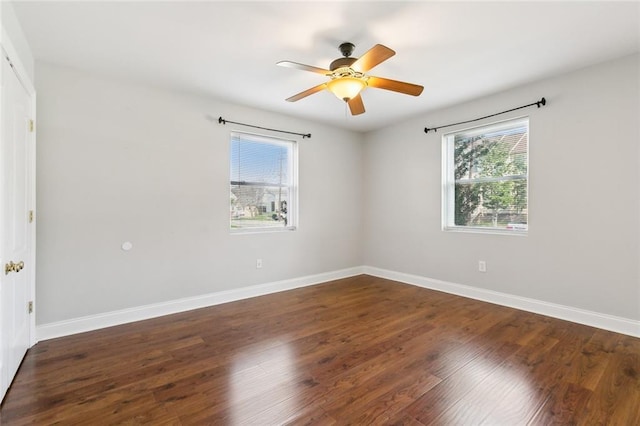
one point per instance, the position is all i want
(490, 231)
(261, 230)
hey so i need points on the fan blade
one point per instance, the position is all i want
(374, 56)
(356, 106)
(303, 67)
(395, 86)
(307, 92)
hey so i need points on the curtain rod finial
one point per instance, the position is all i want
(222, 120)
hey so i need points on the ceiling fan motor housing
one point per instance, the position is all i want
(342, 63)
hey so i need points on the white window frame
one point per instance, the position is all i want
(448, 180)
(292, 164)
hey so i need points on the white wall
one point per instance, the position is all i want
(583, 244)
(122, 162)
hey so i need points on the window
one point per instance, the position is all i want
(262, 183)
(485, 175)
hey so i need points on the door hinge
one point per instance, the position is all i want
(30, 216)
(30, 307)
(31, 125)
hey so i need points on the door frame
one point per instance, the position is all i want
(23, 76)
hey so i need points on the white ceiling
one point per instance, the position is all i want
(457, 50)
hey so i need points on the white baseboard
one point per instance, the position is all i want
(109, 319)
(595, 319)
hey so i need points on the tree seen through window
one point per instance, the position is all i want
(489, 177)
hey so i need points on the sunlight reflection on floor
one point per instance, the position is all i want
(495, 392)
(262, 378)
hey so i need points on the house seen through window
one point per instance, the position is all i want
(485, 178)
(262, 183)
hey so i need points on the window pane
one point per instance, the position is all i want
(486, 175)
(492, 204)
(257, 206)
(494, 154)
(258, 162)
(261, 182)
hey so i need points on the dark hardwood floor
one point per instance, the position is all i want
(359, 351)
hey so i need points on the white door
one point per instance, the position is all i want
(16, 246)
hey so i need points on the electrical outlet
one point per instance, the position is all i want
(258, 263)
(482, 266)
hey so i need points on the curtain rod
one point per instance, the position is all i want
(542, 101)
(223, 121)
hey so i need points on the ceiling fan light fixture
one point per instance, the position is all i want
(346, 88)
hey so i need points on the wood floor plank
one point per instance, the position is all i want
(384, 407)
(616, 397)
(434, 404)
(318, 417)
(361, 350)
(566, 405)
(403, 420)
(522, 396)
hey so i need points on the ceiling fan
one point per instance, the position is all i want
(348, 76)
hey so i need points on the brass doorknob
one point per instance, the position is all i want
(13, 267)
(8, 267)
